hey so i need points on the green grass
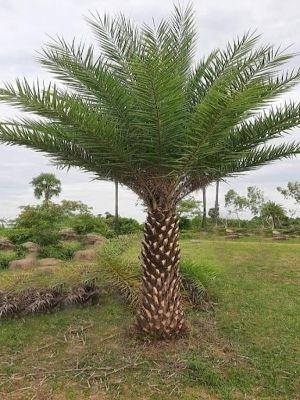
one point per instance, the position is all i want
(5, 257)
(248, 348)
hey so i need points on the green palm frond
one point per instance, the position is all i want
(139, 110)
(261, 156)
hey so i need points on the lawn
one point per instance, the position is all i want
(247, 348)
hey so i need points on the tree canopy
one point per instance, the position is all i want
(142, 111)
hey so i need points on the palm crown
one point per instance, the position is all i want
(142, 113)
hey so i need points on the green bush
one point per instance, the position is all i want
(126, 226)
(88, 223)
(44, 234)
(19, 235)
(63, 252)
(41, 224)
(6, 258)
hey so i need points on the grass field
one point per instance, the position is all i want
(247, 348)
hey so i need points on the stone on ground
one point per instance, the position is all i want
(93, 238)
(68, 234)
(31, 247)
(6, 244)
(84, 255)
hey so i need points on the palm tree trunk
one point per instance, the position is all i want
(204, 207)
(160, 314)
(217, 202)
(116, 221)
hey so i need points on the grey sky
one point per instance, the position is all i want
(25, 25)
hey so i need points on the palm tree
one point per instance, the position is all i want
(273, 212)
(141, 112)
(3, 223)
(47, 186)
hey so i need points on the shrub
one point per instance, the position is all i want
(6, 258)
(63, 252)
(126, 226)
(86, 223)
(18, 236)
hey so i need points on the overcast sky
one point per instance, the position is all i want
(25, 25)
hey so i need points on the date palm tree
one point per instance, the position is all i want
(142, 112)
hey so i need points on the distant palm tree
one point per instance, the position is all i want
(46, 186)
(3, 223)
(116, 219)
(142, 113)
(273, 212)
(204, 212)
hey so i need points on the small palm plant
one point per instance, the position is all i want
(46, 186)
(142, 113)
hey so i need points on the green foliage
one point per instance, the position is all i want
(18, 235)
(255, 199)
(189, 208)
(87, 223)
(47, 186)
(70, 208)
(139, 111)
(126, 226)
(203, 273)
(120, 274)
(62, 251)
(34, 215)
(5, 258)
(42, 223)
(273, 212)
(234, 202)
(292, 191)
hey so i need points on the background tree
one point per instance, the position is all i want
(292, 191)
(255, 199)
(144, 113)
(46, 186)
(189, 208)
(70, 208)
(235, 203)
(273, 212)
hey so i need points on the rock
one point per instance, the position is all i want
(6, 244)
(49, 262)
(278, 236)
(24, 263)
(230, 234)
(92, 238)
(31, 247)
(68, 234)
(84, 255)
(276, 233)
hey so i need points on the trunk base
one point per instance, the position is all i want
(160, 314)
